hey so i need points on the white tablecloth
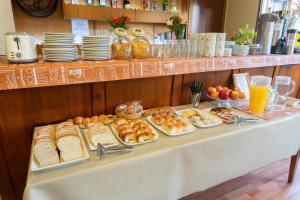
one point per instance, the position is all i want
(172, 167)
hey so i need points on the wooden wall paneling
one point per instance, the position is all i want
(294, 72)
(176, 90)
(6, 188)
(98, 98)
(53, 23)
(35, 107)
(209, 78)
(151, 91)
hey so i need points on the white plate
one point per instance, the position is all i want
(60, 49)
(60, 60)
(115, 131)
(191, 127)
(59, 45)
(218, 120)
(35, 167)
(94, 148)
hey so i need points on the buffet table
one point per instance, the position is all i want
(172, 167)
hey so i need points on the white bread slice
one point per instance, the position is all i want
(100, 134)
(70, 147)
(46, 153)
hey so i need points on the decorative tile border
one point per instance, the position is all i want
(40, 74)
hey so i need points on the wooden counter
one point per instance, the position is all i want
(41, 74)
(92, 88)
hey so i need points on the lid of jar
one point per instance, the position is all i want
(121, 32)
(137, 32)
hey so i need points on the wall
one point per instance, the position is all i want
(239, 13)
(57, 23)
(6, 22)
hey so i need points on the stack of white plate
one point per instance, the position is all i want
(96, 47)
(59, 47)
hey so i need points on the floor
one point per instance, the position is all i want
(269, 183)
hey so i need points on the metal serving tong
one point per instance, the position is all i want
(241, 120)
(102, 151)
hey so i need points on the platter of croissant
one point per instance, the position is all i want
(170, 124)
(134, 132)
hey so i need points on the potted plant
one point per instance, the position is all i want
(177, 25)
(119, 22)
(243, 39)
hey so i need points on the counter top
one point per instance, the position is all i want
(42, 74)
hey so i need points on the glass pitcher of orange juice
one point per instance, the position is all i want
(260, 88)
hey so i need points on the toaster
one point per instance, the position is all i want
(20, 47)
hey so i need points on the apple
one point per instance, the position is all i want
(224, 95)
(219, 88)
(210, 90)
(237, 89)
(215, 94)
(225, 88)
(234, 95)
(242, 95)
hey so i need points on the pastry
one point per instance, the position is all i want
(86, 121)
(159, 110)
(170, 122)
(134, 131)
(78, 120)
(94, 119)
(106, 119)
(120, 121)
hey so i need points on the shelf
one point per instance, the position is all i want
(99, 13)
(42, 74)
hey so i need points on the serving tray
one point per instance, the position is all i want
(218, 120)
(191, 127)
(116, 133)
(90, 144)
(35, 166)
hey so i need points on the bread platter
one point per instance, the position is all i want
(102, 135)
(140, 135)
(200, 118)
(35, 165)
(186, 127)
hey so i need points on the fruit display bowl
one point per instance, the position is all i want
(228, 102)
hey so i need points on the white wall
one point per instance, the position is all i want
(6, 22)
(239, 13)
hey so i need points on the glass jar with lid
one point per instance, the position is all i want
(121, 46)
(140, 45)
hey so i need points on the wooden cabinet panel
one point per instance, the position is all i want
(22, 110)
(152, 92)
(6, 189)
(209, 79)
(294, 72)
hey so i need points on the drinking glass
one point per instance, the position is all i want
(193, 48)
(259, 93)
(196, 97)
(283, 87)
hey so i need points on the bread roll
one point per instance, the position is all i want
(78, 120)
